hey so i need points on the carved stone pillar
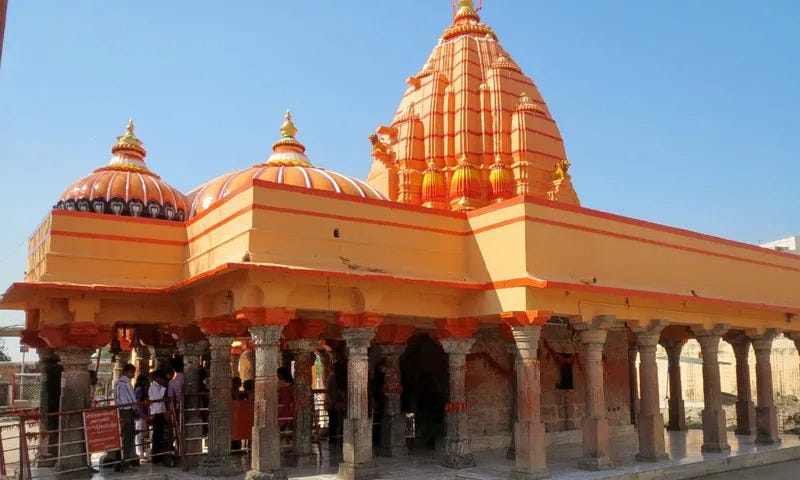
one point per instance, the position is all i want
(266, 449)
(74, 397)
(49, 398)
(304, 417)
(677, 410)
(393, 423)
(193, 357)
(122, 358)
(357, 443)
(142, 360)
(766, 413)
(511, 453)
(458, 451)
(633, 382)
(529, 431)
(745, 408)
(596, 432)
(715, 435)
(651, 422)
(218, 461)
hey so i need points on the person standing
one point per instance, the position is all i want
(141, 391)
(125, 400)
(158, 411)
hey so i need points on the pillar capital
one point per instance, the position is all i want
(193, 347)
(263, 316)
(740, 344)
(526, 339)
(528, 317)
(672, 345)
(647, 335)
(762, 343)
(358, 340)
(717, 330)
(264, 335)
(221, 342)
(593, 336)
(78, 334)
(457, 345)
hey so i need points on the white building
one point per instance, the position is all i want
(788, 244)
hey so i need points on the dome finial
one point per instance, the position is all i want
(128, 142)
(288, 130)
(465, 9)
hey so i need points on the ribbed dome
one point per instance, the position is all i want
(125, 187)
(288, 165)
(470, 99)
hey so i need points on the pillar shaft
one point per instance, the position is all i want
(193, 352)
(458, 451)
(677, 410)
(715, 436)
(393, 423)
(122, 359)
(766, 413)
(163, 357)
(74, 397)
(266, 448)
(745, 408)
(49, 398)
(218, 461)
(633, 383)
(357, 441)
(529, 431)
(596, 432)
(651, 422)
(304, 417)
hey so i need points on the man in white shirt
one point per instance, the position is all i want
(158, 411)
(125, 401)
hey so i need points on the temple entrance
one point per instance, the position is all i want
(425, 388)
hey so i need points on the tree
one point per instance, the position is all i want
(4, 356)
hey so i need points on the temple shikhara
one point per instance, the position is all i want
(501, 311)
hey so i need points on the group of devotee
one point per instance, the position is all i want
(151, 401)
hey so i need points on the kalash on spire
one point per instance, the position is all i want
(471, 128)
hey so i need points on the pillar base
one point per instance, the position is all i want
(357, 471)
(393, 436)
(596, 440)
(651, 439)
(46, 461)
(271, 475)
(677, 416)
(715, 434)
(517, 475)
(218, 467)
(458, 461)
(767, 426)
(745, 418)
(596, 463)
(530, 448)
(301, 460)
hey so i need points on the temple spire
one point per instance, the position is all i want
(129, 142)
(288, 130)
(464, 10)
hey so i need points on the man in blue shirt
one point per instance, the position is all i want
(125, 400)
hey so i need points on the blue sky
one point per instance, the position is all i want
(679, 112)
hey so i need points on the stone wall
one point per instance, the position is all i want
(490, 383)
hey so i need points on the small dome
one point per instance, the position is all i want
(125, 187)
(288, 165)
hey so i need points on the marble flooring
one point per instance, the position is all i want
(686, 461)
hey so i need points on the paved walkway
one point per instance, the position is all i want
(686, 461)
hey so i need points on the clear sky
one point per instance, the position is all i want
(678, 112)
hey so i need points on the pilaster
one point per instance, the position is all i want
(745, 408)
(50, 384)
(192, 356)
(218, 461)
(304, 417)
(458, 451)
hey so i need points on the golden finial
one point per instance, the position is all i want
(465, 7)
(128, 141)
(288, 129)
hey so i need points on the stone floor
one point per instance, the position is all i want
(686, 461)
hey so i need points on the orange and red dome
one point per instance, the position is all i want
(288, 165)
(125, 186)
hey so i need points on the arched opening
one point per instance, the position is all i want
(426, 388)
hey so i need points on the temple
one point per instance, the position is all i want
(501, 309)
